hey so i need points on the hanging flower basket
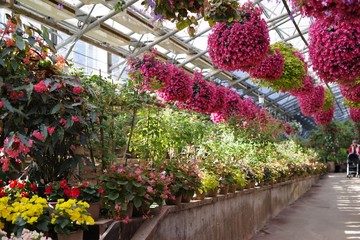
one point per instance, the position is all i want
(232, 107)
(240, 44)
(307, 88)
(271, 68)
(355, 114)
(202, 98)
(312, 103)
(334, 49)
(219, 96)
(324, 117)
(351, 92)
(180, 86)
(148, 72)
(321, 9)
(294, 69)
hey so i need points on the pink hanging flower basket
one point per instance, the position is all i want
(153, 72)
(355, 114)
(350, 92)
(306, 89)
(202, 98)
(180, 86)
(220, 97)
(241, 44)
(270, 69)
(312, 103)
(334, 49)
(323, 8)
(324, 117)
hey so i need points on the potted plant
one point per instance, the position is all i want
(70, 218)
(240, 179)
(210, 183)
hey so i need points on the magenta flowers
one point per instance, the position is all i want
(270, 69)
(355, 114)
(312, 103)
(241, 44)
(335, 49)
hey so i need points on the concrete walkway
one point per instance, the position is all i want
(329, 210)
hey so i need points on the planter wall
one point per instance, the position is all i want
(233, 216)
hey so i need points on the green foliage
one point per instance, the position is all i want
(294, 69)
(209, 181)
(332, 141)
(329, 100)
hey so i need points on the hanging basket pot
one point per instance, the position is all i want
(240, 44)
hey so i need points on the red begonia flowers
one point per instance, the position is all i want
(307, 88)
(150, 73)
(180, 86)
(312, 103)
(323, 8)
(351, 92)
(202, 99)
(324, 117)
(334, 49)
(271, 68)
(240, 44)
(355, 114)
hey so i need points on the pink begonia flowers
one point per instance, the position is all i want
(180, 87)
(153, 72)
(241, 44)
(350, 92)
(324, 117)
(202, 99)
(312, 103)
(77, 89)
(355, 114)
(307, 88)
(40, 87)
(334, 49)
(270, 69)
(323, 8)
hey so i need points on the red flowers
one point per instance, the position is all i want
(334, 49)
(310, 104)
(324, 117)
(78, 90)
(38, 135)
(241, 44)
(270, 69)
(355, 114)
(40, 87)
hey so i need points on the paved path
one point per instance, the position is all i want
(330, 210)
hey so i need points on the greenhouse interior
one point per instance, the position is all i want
(177, 120)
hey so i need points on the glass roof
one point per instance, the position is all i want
(133, 31)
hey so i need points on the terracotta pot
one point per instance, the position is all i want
(224, 190)
(186, 197)
(177, 200)
(212, 193)
(78, 235)
(94, 210)
(232, 188)
(240, 188)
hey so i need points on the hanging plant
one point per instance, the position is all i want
(248, 110)
(351, 92)
(148, 73)
(351, 104)
(312, 103)
(321, 9)
(202, 98)
(324, 117)
(182, 12)
(271, 68)
(220, 98)
(221, 11)
(231, 108)
(334, 49)
(307, 87)
(355, 114)
(326, 114)
(180, 86)
(293, 73)
(240, 44)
